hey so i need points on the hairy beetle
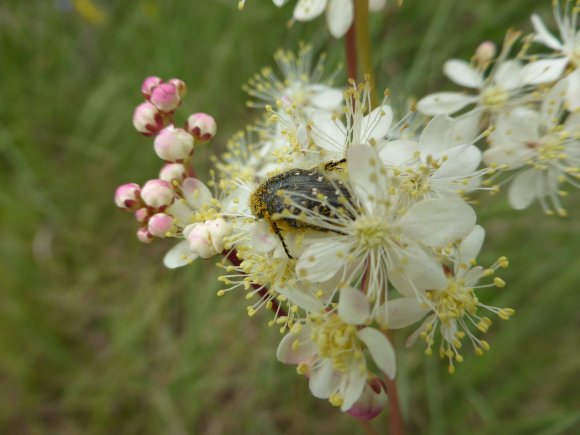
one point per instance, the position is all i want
(276, 198)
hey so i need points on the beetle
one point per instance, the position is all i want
(276, 198)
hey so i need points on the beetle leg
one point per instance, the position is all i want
(279, 234)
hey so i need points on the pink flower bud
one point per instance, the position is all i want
(372, 401)
(218, 230)
(202, 126)
(149, 84)
(127, 196)
(165, 97)
(142, 215)
(144, 235)
(160, 225)
(147, 119)
(485, 52)
(157, 194)
(172, 171)
(180, 85)
(173, 144)
(200, 242)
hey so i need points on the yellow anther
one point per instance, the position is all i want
(499, 282)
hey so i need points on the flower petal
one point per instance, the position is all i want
(514, 156)
(404, 312)
(381, 350)
(324, 380)
(307, 10)
(438, 221)
(328, 133)
(543, 35)
(296, 348)
(376, 124)
(327, 99)
(471, 245)
(376, 5)
(353, 387)
(353, 307)
(543, 71)
(573, 92)
(339, 17)
(196, 193)
(399, 153)
(436, 136)
(509, 75)
(444, 103)
(178, 256)
(364, 171)
(463, 73)
(523, 189)
(414, 270)
(322, 259)
(461, 161)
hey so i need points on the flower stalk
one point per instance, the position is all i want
(363, 44)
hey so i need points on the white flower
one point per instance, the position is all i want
(546, 150)
(503, 88)
(443, 162)
(453, 307)
(330, 348)
(373, 234)
(301, 86)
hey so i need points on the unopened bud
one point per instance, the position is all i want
(147, 119)
(371, 402)
(148, 85)
(202, 126)
(218, 230)
(127, 196)
(160, 225)
(144, 235)
(142, 215)
(165, 97)
(180, 85)
(172, 171)
(200, 242)
(173, 144)
(485, 52)
(157, 194)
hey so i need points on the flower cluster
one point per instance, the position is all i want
(341, 220)
(526, 106)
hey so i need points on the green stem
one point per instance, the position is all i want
(363, 42)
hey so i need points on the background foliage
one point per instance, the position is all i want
(97, 338)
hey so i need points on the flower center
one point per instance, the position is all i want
(550, 148)
(336, 341)
(371, 231)
(454, 302)
(494, 97)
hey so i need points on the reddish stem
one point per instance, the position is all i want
(396, 424)
(262, 291)
(350, 51)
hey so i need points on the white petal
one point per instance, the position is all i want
(299, 296)
(573, 93)
(376, 124)
(514, 156)
(321, 260)
(404, 312)
(328, 99)
(353, 307)
(280, 3)
(364, 167)
(399, 153)
(509, 75)
(307, 10)
(471, 245)
(466, 128)
(463, 73)
(178, 256)
(288, 353)
(444, 103)
(436, 136)
(324, 380)
(196, 193)
(552, 106)
(339, 16)
(543, 71)
(414, 270)
(328, 133)
(543, 35)
(381, 350)
(263, 238)
(523, 189)
(354, 384)
(438, 221)
(461, 161)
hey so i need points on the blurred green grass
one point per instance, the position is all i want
(97, 338)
